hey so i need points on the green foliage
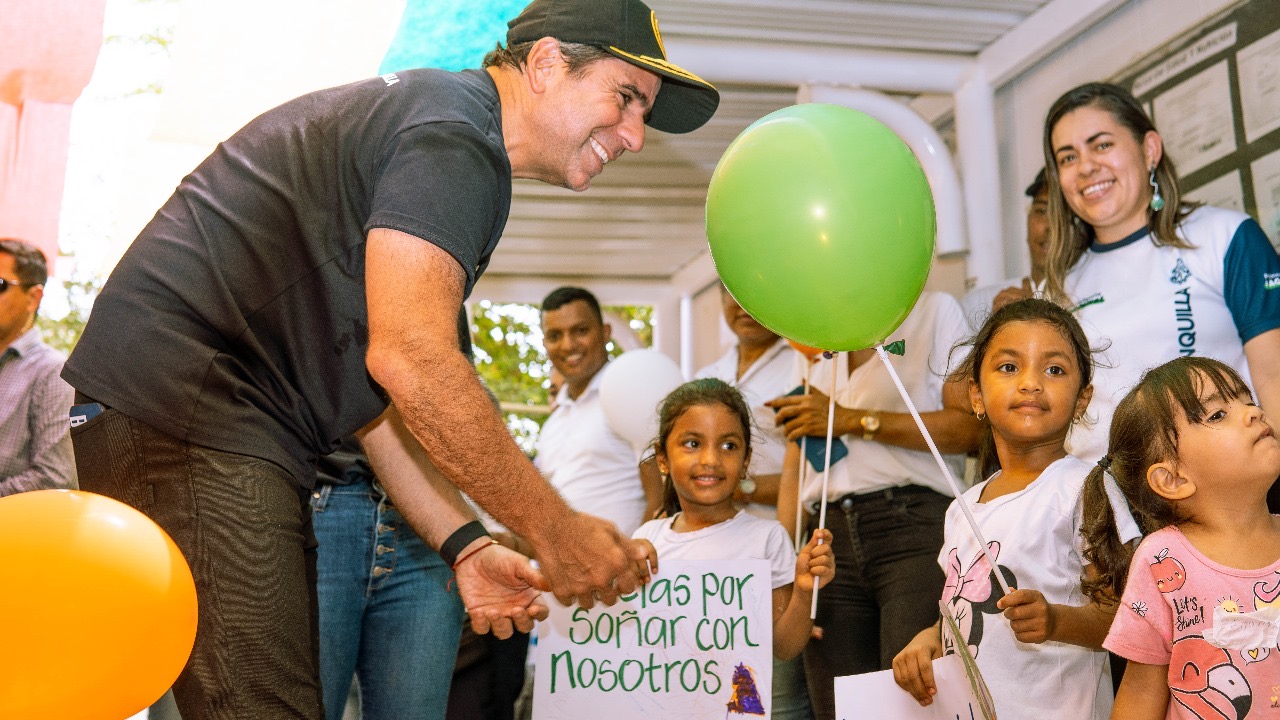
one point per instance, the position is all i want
(63, 333)
(508, 347)
(639, 318)
(510, 358)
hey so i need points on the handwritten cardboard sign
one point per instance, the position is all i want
(697, 641)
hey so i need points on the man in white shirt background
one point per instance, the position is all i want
(593, 467)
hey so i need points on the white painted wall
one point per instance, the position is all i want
(1109, 47)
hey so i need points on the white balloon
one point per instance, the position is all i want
(633, 386)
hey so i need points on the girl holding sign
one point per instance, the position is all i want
(1029, 376)
(1201, 605)
(702, 451)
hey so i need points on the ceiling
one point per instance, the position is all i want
(642, 219)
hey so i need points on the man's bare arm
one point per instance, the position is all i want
(499, 588)
(414, 293)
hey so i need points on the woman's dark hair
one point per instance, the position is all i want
(1027, 310)
(1069, 235)
(1144, 432)
(708, 391)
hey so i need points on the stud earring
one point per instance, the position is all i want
(1157, 201)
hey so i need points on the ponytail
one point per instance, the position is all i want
(1144, 431)
(1103, 548)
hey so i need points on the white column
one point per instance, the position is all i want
(668, 326)
(687, 336)
(980, 169)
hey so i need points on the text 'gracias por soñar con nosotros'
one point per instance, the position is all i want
(622, 626)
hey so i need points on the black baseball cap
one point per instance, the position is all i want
(1037, 185)
(628, 30)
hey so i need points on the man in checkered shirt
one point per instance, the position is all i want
(35, 450)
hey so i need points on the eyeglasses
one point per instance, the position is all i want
(6, 284)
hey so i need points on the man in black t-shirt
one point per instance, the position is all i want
(304, 283)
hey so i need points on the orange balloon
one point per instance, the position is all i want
(809, 352)
(97, 608)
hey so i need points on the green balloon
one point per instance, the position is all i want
(821, 225)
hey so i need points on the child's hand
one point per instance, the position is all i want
(1029, 614)
(913, 667)
(650, 559)
(815, 562)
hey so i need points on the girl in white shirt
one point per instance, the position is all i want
(1029, 375)
(702, 451)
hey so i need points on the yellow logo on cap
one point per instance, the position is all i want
(661, 64)
(657, 34)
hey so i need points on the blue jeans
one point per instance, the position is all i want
(790, 693)
(887, 584)
(387, 612)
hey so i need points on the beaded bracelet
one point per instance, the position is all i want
(473, 552)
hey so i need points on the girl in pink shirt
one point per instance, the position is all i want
(1200, 610)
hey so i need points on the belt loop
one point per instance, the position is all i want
(383, 497)
(320, 496)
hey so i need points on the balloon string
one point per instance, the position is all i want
(826, 474)
(946, 471)
(803, 475)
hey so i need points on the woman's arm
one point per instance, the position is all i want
(954, 429)
(1263, 355)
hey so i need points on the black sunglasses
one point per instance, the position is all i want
(6, 284)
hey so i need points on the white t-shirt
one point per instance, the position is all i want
(744, 536)
(1147, 305)
(932, 329)
(1034, 535)
(593, 467)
